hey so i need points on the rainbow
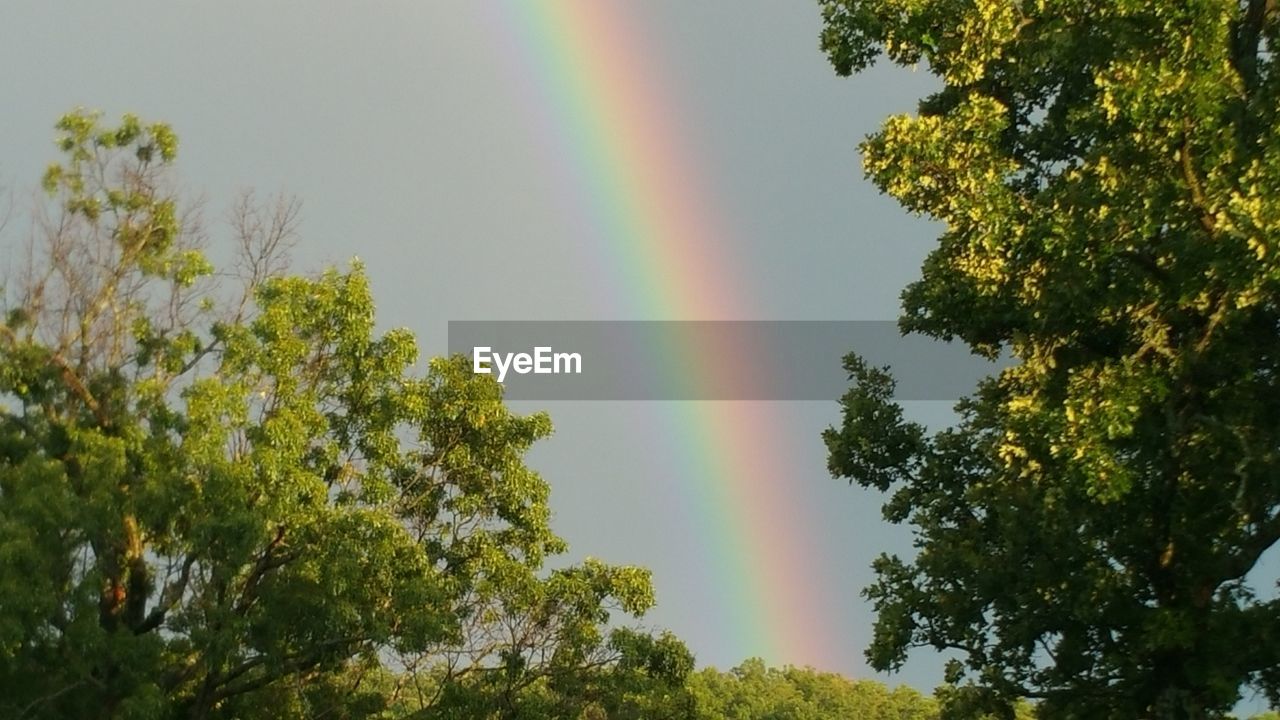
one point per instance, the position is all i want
(591, 87)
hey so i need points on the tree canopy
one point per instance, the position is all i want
(1108, 178)
(226, 495)
(753, 691)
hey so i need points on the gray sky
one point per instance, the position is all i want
(399, 127)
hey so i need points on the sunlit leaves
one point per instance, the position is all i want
(207, 505)
(1106, 177)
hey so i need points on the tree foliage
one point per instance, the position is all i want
(752, 691)
(226, 495)
(1108, 175)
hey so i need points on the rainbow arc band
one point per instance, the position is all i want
(597, 95)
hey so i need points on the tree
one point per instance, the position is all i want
(1108, 175)
(752, 691)
(236, 500)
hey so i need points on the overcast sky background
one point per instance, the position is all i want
(397, 125)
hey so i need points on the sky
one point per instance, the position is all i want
(448, 146)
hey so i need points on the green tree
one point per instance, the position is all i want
(753, 691)
(236, 499)
(1108, 178)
